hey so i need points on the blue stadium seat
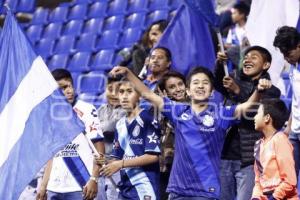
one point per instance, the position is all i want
(135, 6)
(34, 33)
(157, 15)
(97, 10)
(26, 6)
(158, 5)
(73, 27)
(80, 62)
(135, 20)
(130, 36)
(53, 30)
(93, 26)
(64, 44)
(93, 82)
(113, 23)
(44, 47)
(86, 42)
(117, 7)
(58, 61)
(100, 100)
(75, 76)
(103, 60)
(174, 4)
(78, 11)
(59, 14)
(108, 40)
(40, 16)
(86, 97)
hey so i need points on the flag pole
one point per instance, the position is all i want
(222, 50)
(98, 155)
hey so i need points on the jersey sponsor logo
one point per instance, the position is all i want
(138, 141)
(147, 197)
(136, 131)
(208, 121)
(94, 113)
(153, 138)
(70, 150)
(93, 127)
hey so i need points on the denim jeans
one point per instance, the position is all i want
(64, 196)
(173, 196)
(106, 190)
(295, 141)
(236, 182)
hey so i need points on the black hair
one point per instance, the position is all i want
(242, 7)
(277, 110)
(60, 74)
(199, 70)
(166, 50)
(286, 39)
(162, 25)
(162, 82)
(111, 79)
(263, 51)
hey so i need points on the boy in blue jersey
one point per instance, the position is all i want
(136, 149)
(200, 129)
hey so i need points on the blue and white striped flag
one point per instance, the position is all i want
(32, 130)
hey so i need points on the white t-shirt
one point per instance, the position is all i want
(61, 179)
(295, 81)
(237, 32)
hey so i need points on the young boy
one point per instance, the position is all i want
(200, 129)
(61, 180)
(136, 149)
(275, 176)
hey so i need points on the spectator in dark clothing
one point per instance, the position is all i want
(237, 174)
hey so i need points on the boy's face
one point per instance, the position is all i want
(236, 16)
(259, 119)
(200, 87)
(254, 64)
(128, 96)
(292, 56)
(67, 87)
(175, 88)
(112, 94)
(158, 62)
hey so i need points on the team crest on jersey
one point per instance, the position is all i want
(208, 120)
(136, 131)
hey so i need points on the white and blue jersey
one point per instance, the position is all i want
(198, 144)
(132, 140)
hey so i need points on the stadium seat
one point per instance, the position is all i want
(58, 61)
(80, 62)
(34, 33)
(93, 82)
(86, 42)
(130, 36)
(100, 100)
(135, 20)
(53, 30)
(78, 11)
(40, 16)
(113, 23)
(93, 26)
(75, 76)
(117, 7)
(156, 15)
(174, 4)
(97, 10)
(103, 60)
(27, 6)
(59, 14)
(64, 44)
(73, 27)
(158, 5)
(108, 40)
(87, 97)
(44, 47)
(135, 6)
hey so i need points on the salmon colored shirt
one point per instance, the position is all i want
(274, 168)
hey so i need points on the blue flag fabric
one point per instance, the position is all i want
(32, 129)
(189, 40)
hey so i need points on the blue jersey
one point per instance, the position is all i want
(134, 139)
(198, 143)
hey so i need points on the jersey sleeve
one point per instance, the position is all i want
(117, 151)
(152, 141)
(227, 117)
